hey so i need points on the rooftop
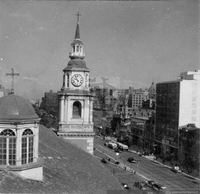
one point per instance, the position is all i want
(76, 65)
(67, 169)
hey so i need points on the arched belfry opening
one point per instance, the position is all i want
(77, 109)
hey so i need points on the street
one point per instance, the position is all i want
(149, 169)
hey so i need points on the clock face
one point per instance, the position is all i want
(77, 80)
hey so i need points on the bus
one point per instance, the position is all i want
(112, 145)
(122, 146)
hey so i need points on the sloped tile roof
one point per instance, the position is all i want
(16, 108)
(77, 41)
(76, 64)
(67, 169)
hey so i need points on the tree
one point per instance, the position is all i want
(47, 119)
(189, 154)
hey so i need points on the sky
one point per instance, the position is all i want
(139, 42)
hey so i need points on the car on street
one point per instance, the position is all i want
(103, 160)
(106, 143)
(131, 160)
(112, 145)
(176, 169)
(141, 185)
(159, 187)
(126, 186)
(152, 184)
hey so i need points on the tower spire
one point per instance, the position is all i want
(77, 33)
(77, 45)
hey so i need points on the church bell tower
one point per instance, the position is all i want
(76, 100)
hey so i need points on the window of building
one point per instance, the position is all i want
(27, 146)
(7, 147)
(77, 109)
(67, 80)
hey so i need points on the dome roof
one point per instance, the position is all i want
(76, 64)
(16, 108)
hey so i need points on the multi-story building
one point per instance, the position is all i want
(142, 128)
(177, 104)
(122, 92)
(3, 91)
(149, 100)
(136, 98)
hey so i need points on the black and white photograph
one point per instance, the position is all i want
(100, 96)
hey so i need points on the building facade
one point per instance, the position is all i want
(150, 99)
(142, 128)
(136, 98)
(3, 91)
(76, 99)
(177, 104)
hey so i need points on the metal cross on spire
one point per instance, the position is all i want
(12, 74)
(78, 14)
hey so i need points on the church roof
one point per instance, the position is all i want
(16, 108)
(77, 65)
(67, 169)
(77, 41)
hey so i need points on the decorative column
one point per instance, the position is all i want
(91, 109)
(64, 81)
(86, 80)
(83, 107)
(66, 109)
(18, 146)
(35, 142)
(62, 109)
